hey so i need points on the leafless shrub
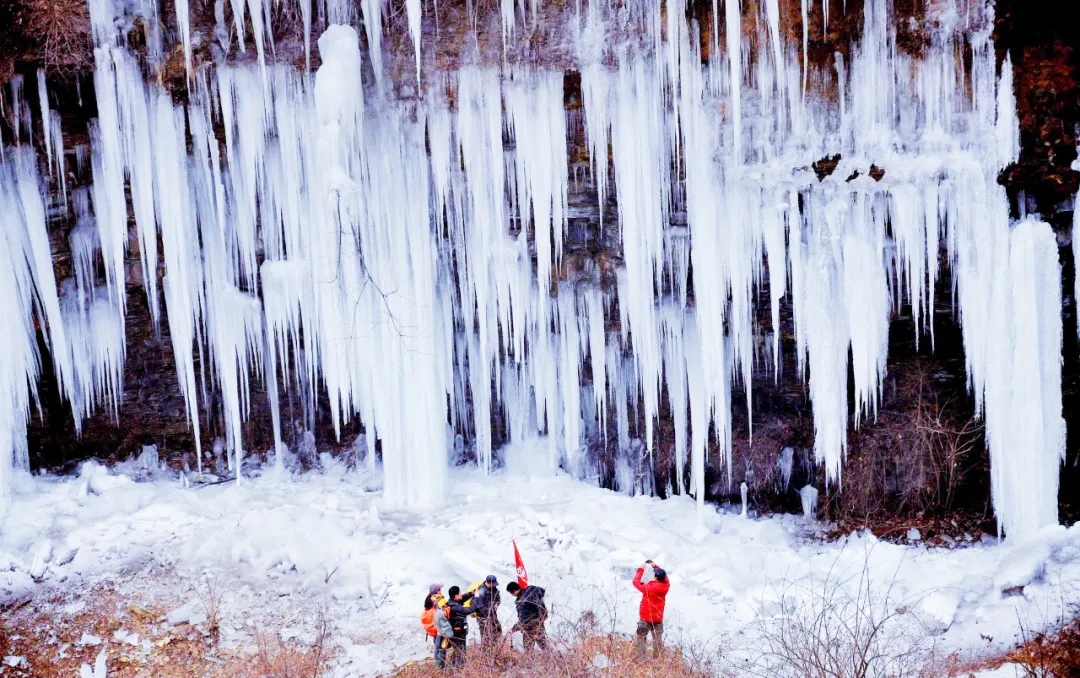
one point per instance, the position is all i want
(835, 627)
(1050, 643)
(210, 597)
(278, 658)
(915, 456)
(62, 29)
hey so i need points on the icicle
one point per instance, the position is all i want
(595, 94)
(102, 21)
(46, 120)
(132, 111)
(17, 107)
(733, 33)
(675, 377)
(804, 6)
(597, 338)
(506, 11)
(1007, 128)
(773, 233)
(96, 351)
(412, 10)
(1024, 427)
(643, 181)
(183, 24)
(373, 28)
(570, 379)
(56, 135)
(179, 239)
(110, 206)
(534, 105)
(22, 235)
(826, 342)
(866, 297)
(772, 18)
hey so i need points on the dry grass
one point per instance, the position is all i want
(1051, 654)
(280, 659)
(599, 655)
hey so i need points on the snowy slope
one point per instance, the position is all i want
(280, 549)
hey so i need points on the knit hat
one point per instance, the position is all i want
(659, 573)
(434, 588)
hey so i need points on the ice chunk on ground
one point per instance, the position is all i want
(182, 615)
(89, 639)
(1023, 566)
(97, 479)
(941, 607)
(74, 608)
(127, 637)
(527, 459)
(99, 670)
(808, 495)
(42, 555)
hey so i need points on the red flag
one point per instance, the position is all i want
(522, 576)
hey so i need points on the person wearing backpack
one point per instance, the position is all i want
(651, 611)
(532, 615)
(459, 623)
(436, 622)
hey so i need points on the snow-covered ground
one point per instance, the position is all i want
(281, 549)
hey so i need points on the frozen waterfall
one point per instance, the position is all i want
(407, 255)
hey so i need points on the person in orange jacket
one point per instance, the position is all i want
(651, 611)
(435, 604)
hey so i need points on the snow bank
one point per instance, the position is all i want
(281, 548)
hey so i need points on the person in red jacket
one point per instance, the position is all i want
(651, 612)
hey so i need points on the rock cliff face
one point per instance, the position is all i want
(925, 452)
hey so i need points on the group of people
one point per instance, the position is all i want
(445, 618)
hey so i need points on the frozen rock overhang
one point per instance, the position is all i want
(404, 253)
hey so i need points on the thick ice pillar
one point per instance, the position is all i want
(1024, 427)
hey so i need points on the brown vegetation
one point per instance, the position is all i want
(50, 642)
(1051, 654)
(916, 458)
(61, 29)
(583, 657)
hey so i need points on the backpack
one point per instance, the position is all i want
(427, 619)
(442, 623)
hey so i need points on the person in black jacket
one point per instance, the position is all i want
(486, 608)
(459, 619)
(532, 614)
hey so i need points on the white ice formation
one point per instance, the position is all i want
(400, 254)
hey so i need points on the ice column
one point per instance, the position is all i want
(1024, 427)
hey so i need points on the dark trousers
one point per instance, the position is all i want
(458, 643)
(490, 629)
(645, 628)
(440, 651)
(533, 634)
